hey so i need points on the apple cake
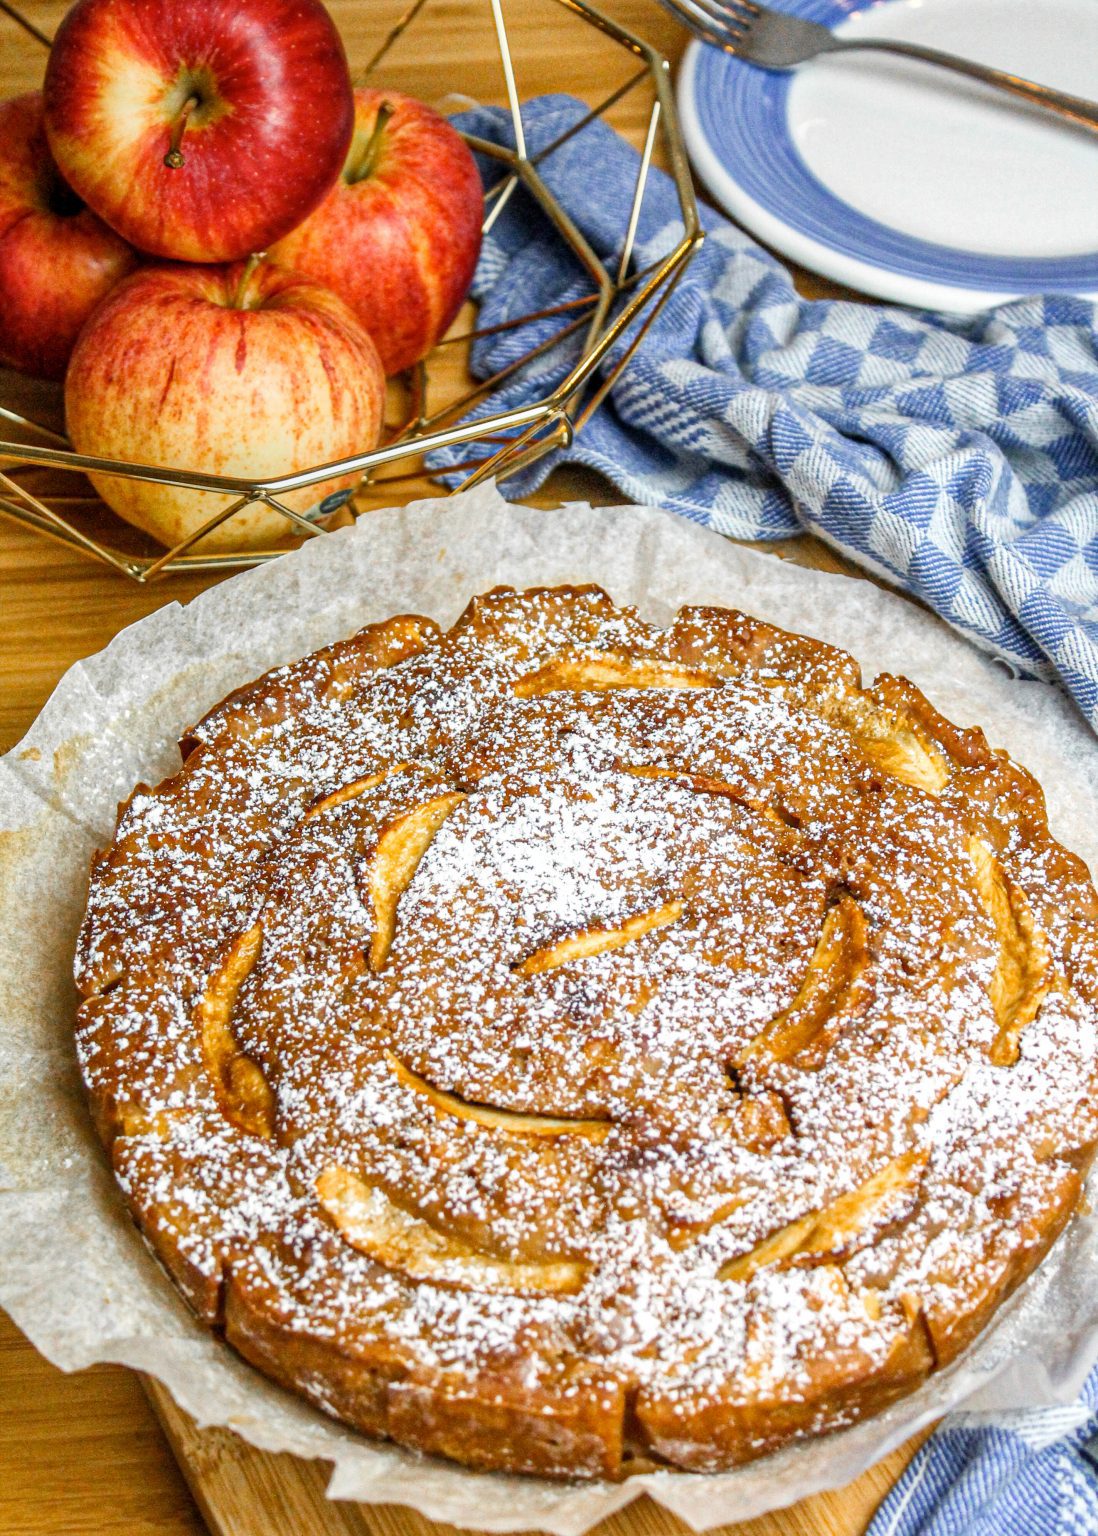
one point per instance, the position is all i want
(572, 1046)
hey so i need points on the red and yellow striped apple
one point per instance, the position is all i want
(399, 234)
(245, 370)
(57, 260)
(200, 130)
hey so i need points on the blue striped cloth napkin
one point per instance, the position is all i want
(1026, 1473)
(957, 459)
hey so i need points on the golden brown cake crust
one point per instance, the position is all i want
(566, 1045)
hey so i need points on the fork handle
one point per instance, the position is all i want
(1076, 108)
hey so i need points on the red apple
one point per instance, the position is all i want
(399, 234)
(57, 260)
(246, 370)
(202, 130)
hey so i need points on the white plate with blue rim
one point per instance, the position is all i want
(905, 181)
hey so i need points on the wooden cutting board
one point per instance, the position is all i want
(245, 1492)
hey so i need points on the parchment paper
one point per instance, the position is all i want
(73, 1271)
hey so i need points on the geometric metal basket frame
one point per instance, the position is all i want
(516, 438)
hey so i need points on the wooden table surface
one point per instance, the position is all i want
(85, 1453)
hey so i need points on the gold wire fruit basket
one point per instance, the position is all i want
(38, 487)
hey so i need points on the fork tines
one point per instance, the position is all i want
(723, 22)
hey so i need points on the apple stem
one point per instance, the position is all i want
(174, 158)
(368, 158)
(245, 278)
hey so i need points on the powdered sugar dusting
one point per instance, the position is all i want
(753, 806)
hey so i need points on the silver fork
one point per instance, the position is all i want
(776, 41)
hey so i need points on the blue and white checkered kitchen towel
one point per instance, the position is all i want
(958, 459)
(1028, 1473)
